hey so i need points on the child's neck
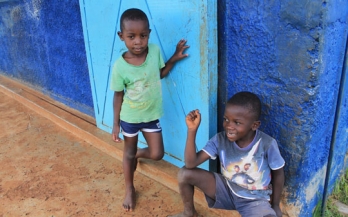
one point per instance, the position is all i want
(245, 141)
(133, 59)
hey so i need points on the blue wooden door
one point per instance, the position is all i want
(191, 84)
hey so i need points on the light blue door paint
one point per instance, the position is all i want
(191, 84)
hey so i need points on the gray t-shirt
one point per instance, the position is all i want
(247, 170)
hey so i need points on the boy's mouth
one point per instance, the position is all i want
(231, 134)
(138, 48)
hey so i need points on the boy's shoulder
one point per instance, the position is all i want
(264, 135)
(220, 136)
(153, 47)
(265, 139)
(120, 63)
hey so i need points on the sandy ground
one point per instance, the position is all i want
(46, 171)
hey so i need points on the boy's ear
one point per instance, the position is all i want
(256, 125)
(119, 33)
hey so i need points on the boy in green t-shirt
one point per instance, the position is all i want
(137, 99)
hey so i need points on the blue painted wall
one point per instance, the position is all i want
(339, 143)
(291, 54)
(41, 43)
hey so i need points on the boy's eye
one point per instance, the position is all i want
(131, 36)
(237, 123)
(226, 120)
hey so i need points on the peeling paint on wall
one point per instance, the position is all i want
(314, 184)
(289, 53)
(42, 45)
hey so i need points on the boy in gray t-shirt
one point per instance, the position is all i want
(250, 161)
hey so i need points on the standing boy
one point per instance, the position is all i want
(137, 99)
(241, 145)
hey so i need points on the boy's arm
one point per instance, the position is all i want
(118, 99)
(277, 188)
(193, 158)
(178, 55)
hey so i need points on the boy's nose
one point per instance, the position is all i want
(231, 125)
(137, 41)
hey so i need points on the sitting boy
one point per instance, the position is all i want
(241, 145)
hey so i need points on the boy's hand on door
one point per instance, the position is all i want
(179, 51)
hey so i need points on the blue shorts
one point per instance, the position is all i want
(226, 199)
(131, 130)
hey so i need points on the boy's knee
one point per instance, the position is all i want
(184, 174)
(157, 156)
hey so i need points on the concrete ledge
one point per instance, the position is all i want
(84, 127)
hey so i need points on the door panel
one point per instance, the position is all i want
(191, 84)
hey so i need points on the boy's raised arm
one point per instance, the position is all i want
(277, 188)
(178, 55)
(193, 158)
(118, 99)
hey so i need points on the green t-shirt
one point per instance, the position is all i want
(142, 101)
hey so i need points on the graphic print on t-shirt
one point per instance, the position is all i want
(245, 171)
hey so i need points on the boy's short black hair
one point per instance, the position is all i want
(247, 100)
(133, 14)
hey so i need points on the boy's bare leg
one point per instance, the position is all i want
(155, 149)
(129, 153)
(188, 178)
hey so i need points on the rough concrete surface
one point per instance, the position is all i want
(47, 171)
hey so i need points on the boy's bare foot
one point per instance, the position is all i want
(129, 200)
(195, 214)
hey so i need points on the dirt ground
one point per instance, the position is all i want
(46, 171)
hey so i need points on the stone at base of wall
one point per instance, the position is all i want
(341, 207)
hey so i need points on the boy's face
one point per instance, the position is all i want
(240, 125)
(135, 34)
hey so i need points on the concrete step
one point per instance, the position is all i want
(84, 127)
